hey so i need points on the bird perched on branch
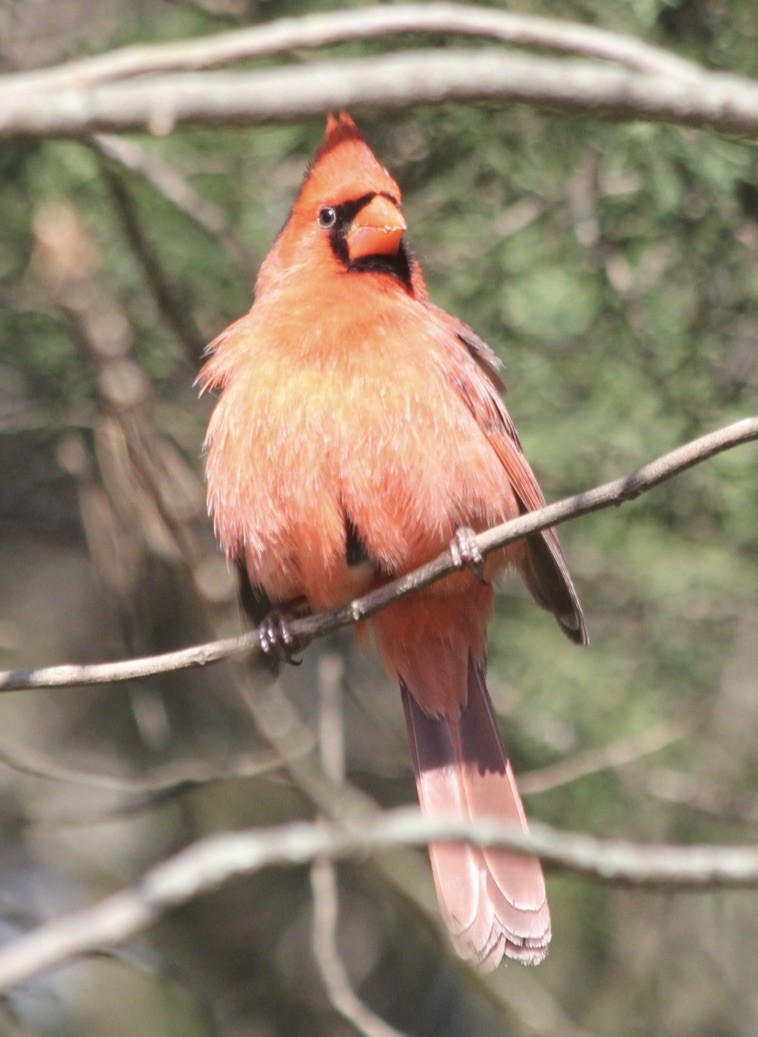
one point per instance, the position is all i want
(359, 431)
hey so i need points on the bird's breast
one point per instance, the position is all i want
(353, 433)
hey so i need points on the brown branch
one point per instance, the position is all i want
(321, 30)
(69, 676)
(164, 178)
(159, 104)
(170, 299)
(307, 628)
(209, 863)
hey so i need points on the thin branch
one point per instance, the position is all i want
(165, 179)
(160, 794)
(323, 876)
(69, 676)
(607, 757)
(12, 1025)
(305, 629)
(693, 792)
(207, 864)
(169, 297)
(333, 972)
(170, 780)
(161, 103)
(321, 30)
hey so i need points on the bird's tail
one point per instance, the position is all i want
(493, 901)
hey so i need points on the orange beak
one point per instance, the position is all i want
(376, 230)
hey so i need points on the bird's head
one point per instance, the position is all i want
(348, 216)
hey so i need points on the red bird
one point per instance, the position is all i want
(360, 431)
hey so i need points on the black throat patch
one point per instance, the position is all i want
(396, 265)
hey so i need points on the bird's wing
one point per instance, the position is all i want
(480, 386)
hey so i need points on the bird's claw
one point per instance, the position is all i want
(464, 551)
(276, 639)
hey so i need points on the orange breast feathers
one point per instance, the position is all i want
(344, 411)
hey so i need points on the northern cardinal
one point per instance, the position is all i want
(360, 431)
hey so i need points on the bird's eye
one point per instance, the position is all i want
(327, 217)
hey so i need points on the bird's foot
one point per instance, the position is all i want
(464, 552)
(276, 639)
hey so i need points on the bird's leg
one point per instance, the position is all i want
(276, 639)
(464, 551)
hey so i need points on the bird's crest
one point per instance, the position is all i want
(339, 128)
(344, 167)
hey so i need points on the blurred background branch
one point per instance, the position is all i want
(128, 155)
(161, 103)
(208, 864)
(321, 30)
(323, 873)
(107, 93)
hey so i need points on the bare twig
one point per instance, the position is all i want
(305, 629)
(149, 496)
(12, 1025)
(331, 727)
(332, 968)
(159, 104)
(168, 295)
(695, 793)
(617, 754)
(173, 778)
(321, 30)
(207, 864)
(323, 876)
(139, 795)
(165, 179)
(149, 666)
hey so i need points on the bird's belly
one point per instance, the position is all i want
(401, 478)
(323, 452)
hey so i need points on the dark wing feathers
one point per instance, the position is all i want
(545, 572)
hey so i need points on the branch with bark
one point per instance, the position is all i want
(211, 862)
(157, 88)
(305, 629)
(286, 35)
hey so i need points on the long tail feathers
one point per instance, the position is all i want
(493, 901)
